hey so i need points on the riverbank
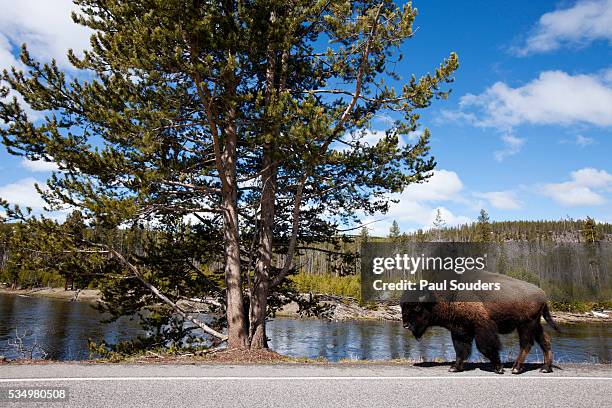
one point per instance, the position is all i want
(341, 309)
(220, 356)
(84, 295)
(338, 308)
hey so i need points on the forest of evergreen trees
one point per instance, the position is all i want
(567, 230)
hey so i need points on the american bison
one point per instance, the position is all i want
(517, 305)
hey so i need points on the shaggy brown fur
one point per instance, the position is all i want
(520, 307)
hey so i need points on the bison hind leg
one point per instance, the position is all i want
(544, 341)
(487, 342)
(526, 334)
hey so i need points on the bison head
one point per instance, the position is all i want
(417, 313)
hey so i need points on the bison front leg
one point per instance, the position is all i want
(487, 342)
(462, 343)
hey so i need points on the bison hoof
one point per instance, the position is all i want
(546, 370)
(454, 369)
(517, 370)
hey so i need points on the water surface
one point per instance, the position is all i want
(62, 328)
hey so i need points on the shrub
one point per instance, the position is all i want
(347, 286)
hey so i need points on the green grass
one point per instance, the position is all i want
(348, 286)
(578, 306)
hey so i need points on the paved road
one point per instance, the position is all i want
(311, 386)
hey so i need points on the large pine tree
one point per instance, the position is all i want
(249, 116)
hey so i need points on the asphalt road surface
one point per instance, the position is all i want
(333, 385)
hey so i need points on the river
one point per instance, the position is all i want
(62, 328)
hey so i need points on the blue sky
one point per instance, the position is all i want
(525, 134)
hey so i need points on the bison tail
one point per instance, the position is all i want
(548, 317)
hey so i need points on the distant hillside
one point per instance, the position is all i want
(343, 258)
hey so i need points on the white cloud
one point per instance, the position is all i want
(23, 193)
(502, 200)
(442, 186)
(555, 97)
(372, 137)
(384, 118)
(48, 30)
(38, 166)
(583, 141)
(450, 219)
(585, 22)
(584, 189)
(196, 218)
(572, 194)
(414, 213)
(45, 26)
(415, 136)
(512, 145)
(592, 177)
(579, 140)
(414, 204)
(7, 59)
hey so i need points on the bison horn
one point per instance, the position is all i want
(427, 297)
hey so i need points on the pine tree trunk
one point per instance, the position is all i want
(261, 284)
(259, 297)
(236, 324)
(259, 303)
